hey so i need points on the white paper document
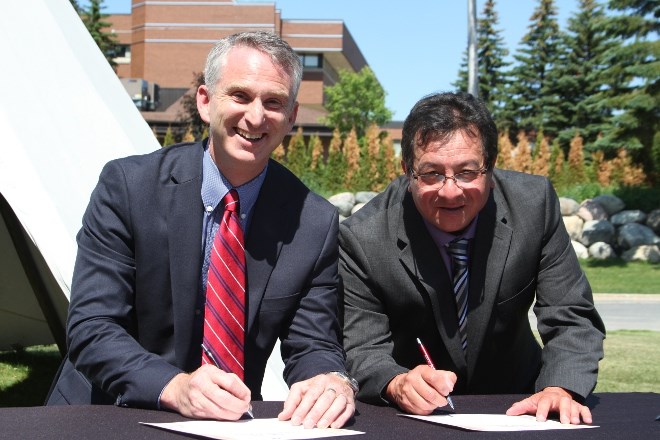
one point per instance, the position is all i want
(495, 422)
(254, 429)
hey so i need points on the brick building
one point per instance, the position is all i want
(165, 42)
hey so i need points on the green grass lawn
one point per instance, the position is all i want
(618, 276)
(631, 363)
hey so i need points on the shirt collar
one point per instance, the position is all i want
(215, 186)
(443, 238)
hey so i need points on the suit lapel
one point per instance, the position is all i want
(421, 257)
(184, 180)
(270, 222)
(488, 259)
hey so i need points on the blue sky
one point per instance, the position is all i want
(413, 46)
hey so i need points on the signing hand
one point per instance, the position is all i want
(552, 399)
(323, 401)
(421, 390)
(207, 393)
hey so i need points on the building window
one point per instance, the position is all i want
(121, 54)
(311, 60)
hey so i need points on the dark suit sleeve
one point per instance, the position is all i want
(311, 345)
(568, 322)
(102, 324)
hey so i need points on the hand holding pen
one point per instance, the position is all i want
(210, 355)
(429, 362)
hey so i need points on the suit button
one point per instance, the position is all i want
(198, 312)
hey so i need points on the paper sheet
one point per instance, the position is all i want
(254, 429)
(495, 422)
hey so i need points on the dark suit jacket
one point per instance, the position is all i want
(136, 312)
(396, 289)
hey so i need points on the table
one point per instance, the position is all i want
(620, 416)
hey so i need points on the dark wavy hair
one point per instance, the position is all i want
(438, 116)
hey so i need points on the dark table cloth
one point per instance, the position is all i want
(629, 416)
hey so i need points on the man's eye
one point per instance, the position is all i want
(274, 104)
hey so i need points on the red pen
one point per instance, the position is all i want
(429, 362)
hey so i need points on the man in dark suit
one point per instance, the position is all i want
(397, 266)
(136, 317)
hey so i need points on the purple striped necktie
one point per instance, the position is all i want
(458, 250)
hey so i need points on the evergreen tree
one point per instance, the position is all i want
(492, 67)
(356, 101)
(577, 170)
(541, 157)
(579, 74)
(336, 165)
(353, 155)
(297, 159)
(95, 23)
(169, 138)
(76, 6)
(633, 82)
(533, 100)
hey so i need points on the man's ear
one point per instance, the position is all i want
(203, 102)
(293, 115)
(403, 167)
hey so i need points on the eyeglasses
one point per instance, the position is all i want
(437, 181)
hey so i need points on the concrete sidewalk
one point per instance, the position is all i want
(623, 311)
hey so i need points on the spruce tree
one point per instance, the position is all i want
(95, 23)
(633, 83)
(533, 100)
(579, 75)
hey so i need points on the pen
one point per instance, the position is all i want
(429, 362)
(209, 354)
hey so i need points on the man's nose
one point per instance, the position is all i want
(255, 112)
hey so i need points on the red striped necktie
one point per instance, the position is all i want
(224, 313)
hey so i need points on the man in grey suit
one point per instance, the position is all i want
(136, 316)
(397, 263)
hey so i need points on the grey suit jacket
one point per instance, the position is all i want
(396, 289)
(136, 311)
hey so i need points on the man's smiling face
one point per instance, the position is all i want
(452, 206)
(250, 110)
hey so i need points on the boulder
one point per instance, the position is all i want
(344, 202)
(590, 210)
(568, 206)
(633, 234)
(357, 207)
(364, 196)
(580, 250)
(629, 216)
(653, 220)
(601, 251)
(611, 204)
(594, 231)
(573, 225)
(649, 253)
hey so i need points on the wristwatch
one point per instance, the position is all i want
(351, 382)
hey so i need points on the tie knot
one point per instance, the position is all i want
(458, 248)
(230, 201)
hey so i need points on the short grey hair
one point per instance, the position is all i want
(270, 44)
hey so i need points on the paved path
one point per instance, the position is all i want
(625, 311)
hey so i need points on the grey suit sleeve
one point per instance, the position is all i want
(101, 327)
(569, 325)
(367, 335)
